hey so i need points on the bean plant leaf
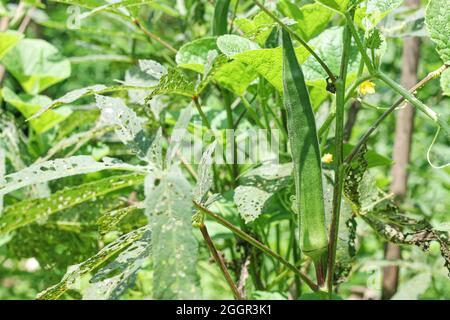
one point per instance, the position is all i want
(437, 19)
(8, 40)
(337, 5)
(130, 131)
(311, 19)
(194, 55)
(28, 211)
(28, 105)
(174, 82)
(59, 168)
(257, 29)
(169, 209)
(231, 45)
(36, 64)
(73, 276)
(268, 63)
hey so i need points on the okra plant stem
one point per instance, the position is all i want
(257, 244)
(338, 154)
(220, 261)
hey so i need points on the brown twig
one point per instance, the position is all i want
(257, 245)
(153, 36)
(220, 261)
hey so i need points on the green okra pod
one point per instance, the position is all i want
(305, 155)
(220, 22)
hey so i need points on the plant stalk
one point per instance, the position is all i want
(257, 244)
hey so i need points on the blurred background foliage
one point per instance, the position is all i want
(102, 50)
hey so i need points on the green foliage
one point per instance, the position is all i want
(437, 20)
(36, 64)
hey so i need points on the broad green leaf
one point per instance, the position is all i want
(371, 12)
(437, 19)
(311, 19)
(231, 45)
(111, 281)
(174, 82)
(73, 276)
(28, 211)
(28, 105)
(8, 40)
(258, 186)
(36, 64)
(268, 63)
(235, 76)
(337, 5)
(59, 168)
(328, 45)
(114, 112)
(109, 220)
(445, 82)
(413, 287)
(194, 55)
(169, 209)
(258, 29)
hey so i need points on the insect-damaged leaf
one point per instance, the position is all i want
(111, 281)
(169, 209)
(59, 168)
(437, 19)
(130, 130)
(28, 211)
(73, 276)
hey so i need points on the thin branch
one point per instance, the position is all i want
(153, 36)
(220, 261)
(397, 103)
(299, 39)
(200, 111)
(257, 244)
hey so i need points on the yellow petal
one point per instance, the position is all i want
(367, 87)
(327, 158)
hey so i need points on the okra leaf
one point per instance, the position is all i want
(114, 112)
(72, 278)
(173, 82)
(36, 64)
(8, 40)
(169, 209)
(109, 220)
(112, 280)
(369, 14)
(204, 172)
(437, 19)
(28, 211)
(59, 168)
(28, 105)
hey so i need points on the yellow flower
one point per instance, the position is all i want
(327, 158)
(367, 87)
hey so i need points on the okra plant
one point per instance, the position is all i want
(223, 149)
